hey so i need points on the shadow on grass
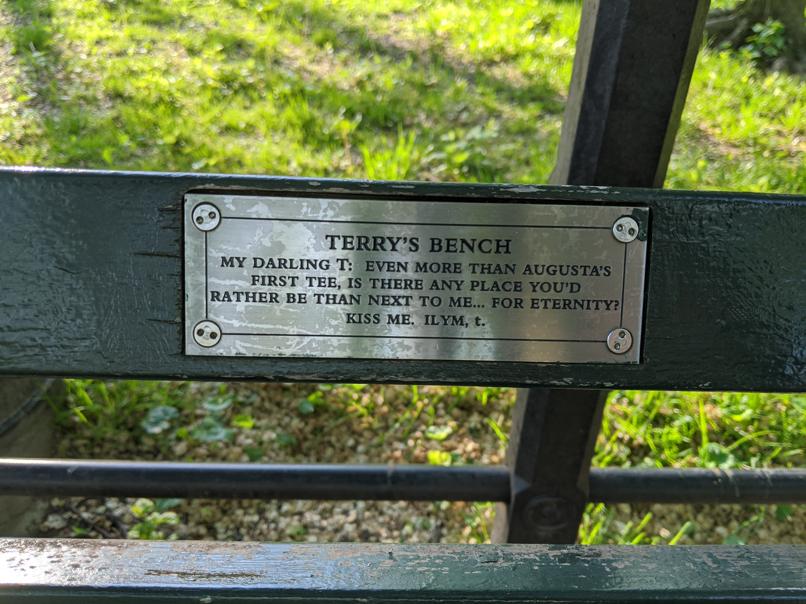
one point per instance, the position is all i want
(426, 58)
(458, 109)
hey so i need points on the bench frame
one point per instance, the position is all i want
(723, 311)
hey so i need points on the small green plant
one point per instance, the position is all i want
(285, 440)
(314, 400)
(210, 430)
(159, 419)
(297, 531)
(218, 404)
(478, 522)
(254, 453)
(152, 518)
(213, 428)
(436, 457)
(502, 436)
(438, 433)
(243, 421)
(767, 42)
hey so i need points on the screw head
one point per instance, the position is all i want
(547, 512)
(206, 333)
(625, 229)
(206, 217)
(619, 340)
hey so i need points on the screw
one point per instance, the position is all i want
(547, 512)
(206, 216)
(619, 341)
(625, 229)
(206, 333)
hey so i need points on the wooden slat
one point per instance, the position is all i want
(44, 570)
(92, 285)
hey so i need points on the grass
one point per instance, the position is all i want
(708, 430)
(469, 90)
(403, 89)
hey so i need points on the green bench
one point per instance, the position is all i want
(119, 312)
(109, 275)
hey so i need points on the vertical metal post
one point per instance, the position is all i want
(632, 69)
(551, 443)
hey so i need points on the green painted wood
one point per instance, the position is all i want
(92, 285)
(44, 570)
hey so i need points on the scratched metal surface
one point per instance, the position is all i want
(485, 307)
(92, 285)
(45, 570)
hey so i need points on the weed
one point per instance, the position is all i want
(153, 517)
(767, 42)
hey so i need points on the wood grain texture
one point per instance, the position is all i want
(92, 285)
(45, 570)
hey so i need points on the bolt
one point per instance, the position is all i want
(625, 229)
(547, 512)
(619, 341)
(206, 333)
(206, 216)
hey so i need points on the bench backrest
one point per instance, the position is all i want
(93, 284)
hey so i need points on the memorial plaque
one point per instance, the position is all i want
(376, 278)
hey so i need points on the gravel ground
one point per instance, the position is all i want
(303, 423)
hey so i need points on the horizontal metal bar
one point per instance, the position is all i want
(46, 477)
(145, 572)
(253, 481)
(694, 485)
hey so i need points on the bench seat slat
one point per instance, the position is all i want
(50, 570)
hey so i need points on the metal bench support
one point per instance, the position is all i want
(632, 68)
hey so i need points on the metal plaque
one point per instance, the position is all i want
(400, 279)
